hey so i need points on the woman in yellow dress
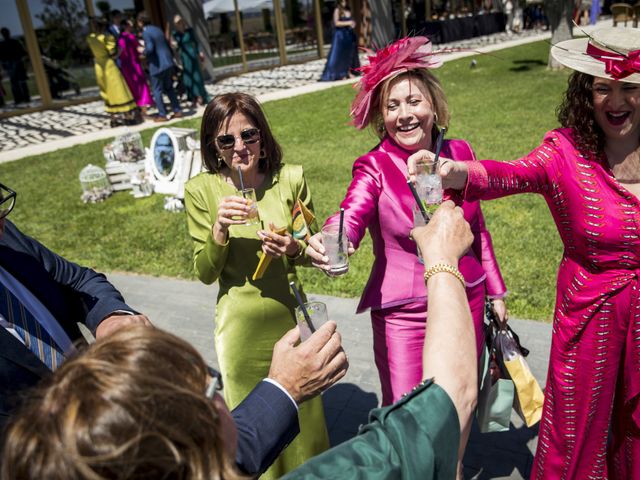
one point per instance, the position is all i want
(118, 100)
(251, 315)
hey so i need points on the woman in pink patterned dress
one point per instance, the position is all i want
(130, 66)
(589, 174)
(402, 100)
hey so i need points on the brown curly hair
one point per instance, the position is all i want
(576, 112)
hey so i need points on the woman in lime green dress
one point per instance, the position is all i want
(251, 315)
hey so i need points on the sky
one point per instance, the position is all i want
(11, 19)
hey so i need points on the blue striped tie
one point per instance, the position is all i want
(35, 338)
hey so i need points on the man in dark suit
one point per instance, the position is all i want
(161, 67)
(58, 294)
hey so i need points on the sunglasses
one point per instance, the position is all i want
(248, 136)
(215, 384)
(7, 200)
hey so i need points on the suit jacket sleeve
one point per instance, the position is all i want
(267, 421)
(149, 45)
(417, 437)
(99, 297)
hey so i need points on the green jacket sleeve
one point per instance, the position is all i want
(209, 257)
(415, 438)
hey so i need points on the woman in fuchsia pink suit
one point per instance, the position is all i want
(404, 101)
(589, 174)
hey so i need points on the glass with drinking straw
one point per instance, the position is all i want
(309, 315)
(336, 246)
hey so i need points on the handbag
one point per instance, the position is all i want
(529, 398)
(507, 381)
(496, 395)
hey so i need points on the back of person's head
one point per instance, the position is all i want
(131, 406)
(144, 18)
(5, 33)
(115, 15)
(216, 116)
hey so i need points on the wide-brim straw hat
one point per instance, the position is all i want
(612, 52)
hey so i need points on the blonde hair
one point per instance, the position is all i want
(131, 406)
(433, 86)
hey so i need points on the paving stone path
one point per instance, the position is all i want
(40, 127)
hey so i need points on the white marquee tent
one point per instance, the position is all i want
(211, 7)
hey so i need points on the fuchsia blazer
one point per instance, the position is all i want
(379, 198)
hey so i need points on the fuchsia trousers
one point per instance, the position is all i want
(592, 390)
(398, 338)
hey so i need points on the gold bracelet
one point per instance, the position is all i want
(299, 253)
(444, 268)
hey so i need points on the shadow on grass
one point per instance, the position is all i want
(500, 454)
(346, 407)
(526, 64)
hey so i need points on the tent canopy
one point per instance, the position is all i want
(211, 7)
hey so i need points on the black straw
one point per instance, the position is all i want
(443, 130)
(302, 307)
(341, 225)
(241, 181)
(424, 213)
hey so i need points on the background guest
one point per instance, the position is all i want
(343, 56)
(250, 314)
(161, 67)
(190, 56)
(118, 100)
(131, 68)
(12, 55)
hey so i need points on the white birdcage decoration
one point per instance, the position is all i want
(128, 147)
(95, 184)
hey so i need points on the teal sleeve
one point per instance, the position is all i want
(209, 257)
(415, 438)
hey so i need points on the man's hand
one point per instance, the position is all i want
(446, 237)
(116, 321)
(311, 367)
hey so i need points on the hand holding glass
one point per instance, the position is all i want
(253, 216)
(317, 312)
(429, 185)
(336, 248)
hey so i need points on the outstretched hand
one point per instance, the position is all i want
(446, 238)
(316, 252)
(454, 174)
(311, 367)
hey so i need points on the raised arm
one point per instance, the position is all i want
(449, 355)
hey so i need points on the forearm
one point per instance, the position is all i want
(449, 348)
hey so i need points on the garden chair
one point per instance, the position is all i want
(621, 12)
(636, 16)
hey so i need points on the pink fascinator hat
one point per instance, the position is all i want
(409, 53)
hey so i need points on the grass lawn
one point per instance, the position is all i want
(503, 107)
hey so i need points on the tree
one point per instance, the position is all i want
(61, 36)
(560, 16)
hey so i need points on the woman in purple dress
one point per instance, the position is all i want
(130, 66)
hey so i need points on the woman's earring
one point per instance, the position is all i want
(263, 153)
(435, 118)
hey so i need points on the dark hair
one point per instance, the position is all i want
(130, 406)
(144, 18)
(220, 110)
(576, 112)
(115, 13)
(5, 32)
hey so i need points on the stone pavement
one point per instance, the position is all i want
(187, 308)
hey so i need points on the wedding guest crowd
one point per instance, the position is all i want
(136, 68)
